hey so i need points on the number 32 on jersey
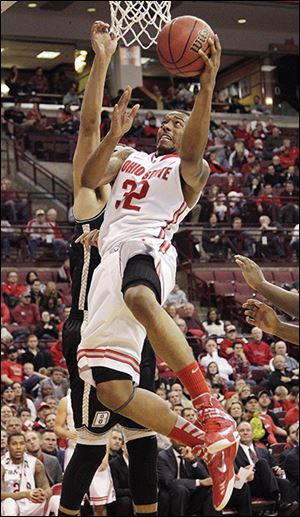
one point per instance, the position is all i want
(135, 192)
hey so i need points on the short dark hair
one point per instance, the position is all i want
(43, 431)
(13, 435)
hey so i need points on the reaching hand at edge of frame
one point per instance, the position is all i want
(122, 120)
(261, 315)
(212, 62)
(252, 273)
(104, 43)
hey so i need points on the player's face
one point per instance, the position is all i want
(170, 133)
(16, 447)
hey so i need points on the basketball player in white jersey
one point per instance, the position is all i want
(93, 421)
(25, 488)
(150, 196)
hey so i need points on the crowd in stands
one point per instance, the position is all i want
(252, 375)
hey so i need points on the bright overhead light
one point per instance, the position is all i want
(80, 60)
(91, 10)
(268, 68)
(2, 49)
(242, 20)
(32, 5)
(268, 101)
(4, 89)
(48, 54)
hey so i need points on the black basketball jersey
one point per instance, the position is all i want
(83, 262)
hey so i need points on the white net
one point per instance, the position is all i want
(139, 22)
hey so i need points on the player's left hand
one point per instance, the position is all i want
(88, 239)
(121, 120)
(261, 315)
(103, 42)
(212, 63)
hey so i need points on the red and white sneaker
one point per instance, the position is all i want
(221, 470)
(219, 426)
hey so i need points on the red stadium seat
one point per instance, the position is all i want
(282, 277)
(224, 276)
(46, 276)
(206, 276)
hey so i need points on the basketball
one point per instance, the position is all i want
(179, 42)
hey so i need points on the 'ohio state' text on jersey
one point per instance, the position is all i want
(146, 201)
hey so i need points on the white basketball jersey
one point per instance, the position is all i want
(146, 202)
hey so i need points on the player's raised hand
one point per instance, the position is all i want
(261, 315)
(251, 271)
(121, 119)
(103, 42)
(212, 62)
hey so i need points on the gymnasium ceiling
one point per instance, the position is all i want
(64, 25)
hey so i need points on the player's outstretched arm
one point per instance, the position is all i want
(104, 45)
(195, 135)
(261, 315)
(284, 300)
(101, 167)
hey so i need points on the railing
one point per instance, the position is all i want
(41, 177)
(5, 154)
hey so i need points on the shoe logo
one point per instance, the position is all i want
(223, 468)
(195, 370)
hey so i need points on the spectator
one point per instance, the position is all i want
(11, 236)
(5, 314)
(226, 346)
(39, 82)
(33, 354)
(290, 194)
(271, 243)
(289, 174)
(223, 133)
(213, 325)
(8, 396)
(257, 107)
(57, 354)
(220, 207)
(258, 149)
(120, 475)
(21, 400)
(271, 177)
(248, 166)
(292, 415)
(45, 328)
(191, 318)
(177, 297)
(239, 363)
(34, 115)
(26, 494)
(267, 481)
(59, 384)
(13, 425)
(6, 414)
(274, 141)
(295, 240)
(12, 80)
(3, 442)
(258, 351)
(212, 238)
(11, 370)
(270, 420)
(26, 314)
(51, 464)
(63, 274)
(215, 165)
(280, 376)
(212, 355)
(36, 293)
(291, 466)
(236, 410)
(238, 157)
(12, 289)
(45, 391)
(291, 364)
(239, 240)
(71, 97)
(171, 309)
(41, 232)
(184, 484)
(43, 409)
(13, 208)
(215, 378)
(235, 106)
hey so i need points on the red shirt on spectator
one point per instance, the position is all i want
(56, 230)
(26, 315)
(5, 314)
(13, 370)
(57, 355)
(258, 354)
(241, 134)
(292, 416)
(13, 289)
(271, 200)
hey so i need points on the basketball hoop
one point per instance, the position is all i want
(139, 22)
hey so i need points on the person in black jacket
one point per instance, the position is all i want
(119, 466)
(281, 377)
(268, 481)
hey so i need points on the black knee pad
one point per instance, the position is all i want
(142, 470)
(140, 270)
